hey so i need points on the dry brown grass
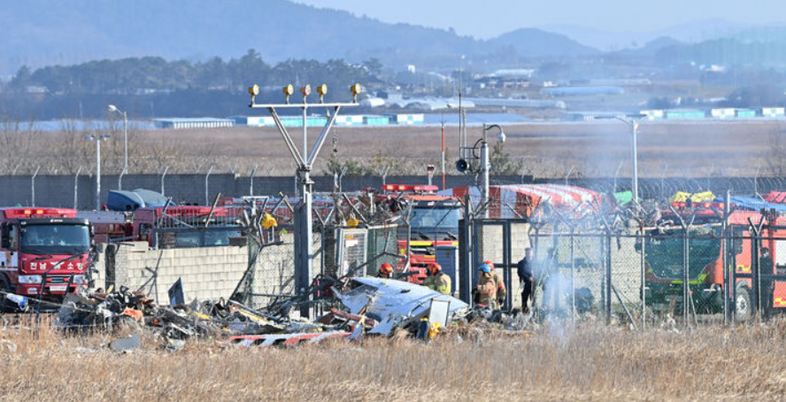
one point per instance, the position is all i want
(547, 150)
(588, 362)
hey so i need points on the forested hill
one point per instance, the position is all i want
(49, 32)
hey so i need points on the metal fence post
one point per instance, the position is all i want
(207, 192)
(32, 184)
(643, 270)
(686, 296)
(76, 187)
(607, 293)
(251, 186)
(465, 245)
(163, 175)
(572, 274)
(120, 179)
(507, 263)
(726, 242)
(755, 231)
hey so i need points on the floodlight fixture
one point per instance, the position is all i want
(288, 91)
(306, 91)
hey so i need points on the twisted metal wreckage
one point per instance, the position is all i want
(355, 305)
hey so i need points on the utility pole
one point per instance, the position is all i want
(98, 140)
(304, 255)
(443, 154)
(485, 166)
(114, 109)
(632, 121)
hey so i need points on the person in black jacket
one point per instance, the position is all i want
(526, 279)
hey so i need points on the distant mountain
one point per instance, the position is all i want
(726, 52)
(693, 32)
(531, 42)
(596, 38)
(47, 32)
(653, 47)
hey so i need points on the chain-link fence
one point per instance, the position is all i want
(344, 252)
(642, 265)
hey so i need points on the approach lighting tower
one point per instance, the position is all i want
(304, 255)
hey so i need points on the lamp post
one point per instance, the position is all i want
(485, 165)
(98, 140)
(114, 109)
(632, 121)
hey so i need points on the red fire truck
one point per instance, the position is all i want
(173, 227)
(664, 260)
(43, 252)
(433, 221)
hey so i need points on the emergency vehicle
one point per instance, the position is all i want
(44, 252)
(172, 227)
(433, 221)
(664, 259)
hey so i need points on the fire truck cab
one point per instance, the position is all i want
(433, 221)
(44, 252)
(665, 264)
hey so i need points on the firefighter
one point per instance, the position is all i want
(499, 283)
(385, 271)
(485, 291)
(437, 280)
(524, 270)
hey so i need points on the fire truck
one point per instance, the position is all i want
(433, 221)
(44, 252)
(172, 227)
(664, 260)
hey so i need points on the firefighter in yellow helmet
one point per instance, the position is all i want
(385, 271)
(499, 283)
(437, 280)
(485, 292)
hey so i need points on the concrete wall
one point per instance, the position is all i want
(58, 191)
(206, 273)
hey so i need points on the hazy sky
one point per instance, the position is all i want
(491, 17)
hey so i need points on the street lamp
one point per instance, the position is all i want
(632, 121)
(485, 165)
(98, 140)
(114, 109)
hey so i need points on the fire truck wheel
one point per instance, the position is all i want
(742, 305)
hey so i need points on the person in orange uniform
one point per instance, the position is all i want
(437, 280)
(385, 271)
(502, 291)
(486, 290)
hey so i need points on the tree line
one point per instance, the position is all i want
(151, 84)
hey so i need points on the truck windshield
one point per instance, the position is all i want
(664, 253)
(445, 219)
(55, 239)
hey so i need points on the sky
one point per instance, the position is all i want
(489, 18)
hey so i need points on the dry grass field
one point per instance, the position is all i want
(548, 363)
(687, 149)
(547, 150)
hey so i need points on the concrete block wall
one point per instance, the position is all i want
(206, 273)
(58, 191)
